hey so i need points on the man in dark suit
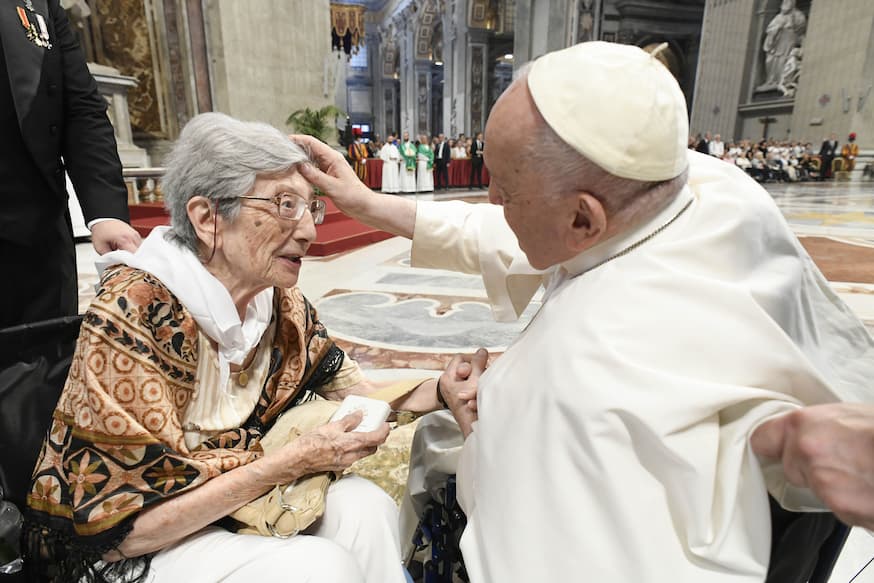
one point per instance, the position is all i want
(476, 160)
(442, 156)
(52, 119)
(703, 145)
(827, 153)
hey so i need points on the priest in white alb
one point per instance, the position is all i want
(610, 442)
(391, 166)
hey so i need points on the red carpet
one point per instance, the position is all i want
(337, 234)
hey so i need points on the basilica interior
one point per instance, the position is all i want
(436, 67)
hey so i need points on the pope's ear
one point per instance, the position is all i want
(201, 213)
(588, 223)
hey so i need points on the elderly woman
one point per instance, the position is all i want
(190, 351)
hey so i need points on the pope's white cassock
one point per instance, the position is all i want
(391, 159)
(612, 441)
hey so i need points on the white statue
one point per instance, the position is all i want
(784, 33)
(791, 71)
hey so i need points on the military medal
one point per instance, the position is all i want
(43, 31)
(37, 33)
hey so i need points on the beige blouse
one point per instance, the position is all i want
(214, 410)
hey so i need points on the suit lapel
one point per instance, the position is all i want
(23, 57)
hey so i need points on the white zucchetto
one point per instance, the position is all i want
(615, 104)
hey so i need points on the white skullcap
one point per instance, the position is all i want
(615, 104)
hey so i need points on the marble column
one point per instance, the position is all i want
(422, 123)
(407, 71)
(456, 76)
(478, 51)
(541, 26)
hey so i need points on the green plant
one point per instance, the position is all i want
(315, 122)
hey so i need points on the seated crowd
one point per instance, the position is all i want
(768, 160)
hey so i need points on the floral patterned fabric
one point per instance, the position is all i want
(116, 444)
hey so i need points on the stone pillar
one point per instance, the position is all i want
(407, 73)
(835, 92)
(114, 87)
(541, 26)
(422, 123)
(584, 21)
(376, 57)
(727, 48)
(386, 98)
(477, 84)
(455, 85)
(259, 70)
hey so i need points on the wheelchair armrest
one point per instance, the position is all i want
(804, 546)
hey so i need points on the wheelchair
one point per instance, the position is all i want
(34, 361)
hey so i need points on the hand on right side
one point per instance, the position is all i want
(331, 447)
(333, 176)
(459, 386)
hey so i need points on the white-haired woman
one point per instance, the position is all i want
(191, 349)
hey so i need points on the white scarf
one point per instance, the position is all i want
(202, 294)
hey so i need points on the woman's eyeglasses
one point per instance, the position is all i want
(292, 207)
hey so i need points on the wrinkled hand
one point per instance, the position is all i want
(333, 175)
(829, 449)
(334, 446)
(459, 384)
(114, 234)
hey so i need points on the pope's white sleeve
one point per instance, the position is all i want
(475, 238)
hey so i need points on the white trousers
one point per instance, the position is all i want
(356, 540)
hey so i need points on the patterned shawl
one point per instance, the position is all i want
(116, 444)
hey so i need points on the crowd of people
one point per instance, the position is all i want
(772, 160)
(420, 164)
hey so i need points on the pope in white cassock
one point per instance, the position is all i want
(610, 441)
(391, 167)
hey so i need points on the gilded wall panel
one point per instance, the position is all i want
(127, 46)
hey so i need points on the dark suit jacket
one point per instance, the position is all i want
(476, 156)
(446, 153)
(829, 149)
(59, 113)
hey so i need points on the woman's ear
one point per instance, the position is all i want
(588, 224)
(201, 213)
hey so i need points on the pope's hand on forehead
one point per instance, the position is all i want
(325, 158)
(331, 174)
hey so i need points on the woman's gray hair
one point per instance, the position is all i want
(219, 157)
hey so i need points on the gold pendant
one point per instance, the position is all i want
(243, 378)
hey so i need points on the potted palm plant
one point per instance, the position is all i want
(319, 123)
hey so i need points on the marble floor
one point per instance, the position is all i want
(393, 318)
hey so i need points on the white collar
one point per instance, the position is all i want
(204, 296)
(602, 251)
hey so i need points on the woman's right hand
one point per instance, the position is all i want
(331, 447)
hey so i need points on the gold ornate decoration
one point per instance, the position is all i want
(347, 27)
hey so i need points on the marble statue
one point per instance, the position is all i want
(784, 33)
(791, 71)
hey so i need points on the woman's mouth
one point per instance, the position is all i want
(291, 258)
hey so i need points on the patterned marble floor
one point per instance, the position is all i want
(392, 317)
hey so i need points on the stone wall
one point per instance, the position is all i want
(727, 37)
(269, 57)
(837, 71)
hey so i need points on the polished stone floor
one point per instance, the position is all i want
(395, 319)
